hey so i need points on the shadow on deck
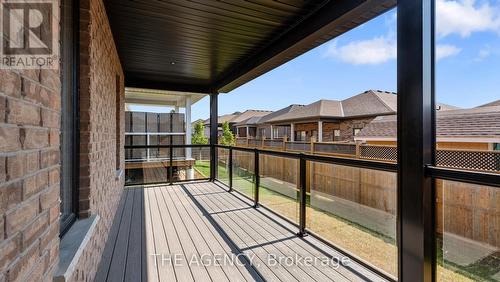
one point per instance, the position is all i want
(200, 232)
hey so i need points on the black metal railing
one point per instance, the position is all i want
(481, 178)
(230, 158)
(302, 196)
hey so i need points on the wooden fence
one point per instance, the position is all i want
(462, 159)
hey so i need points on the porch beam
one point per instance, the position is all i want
(415, 74)
(213, 134)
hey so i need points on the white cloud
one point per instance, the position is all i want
(464, 17)
(444, 50)
(372, 51)
(377, 51)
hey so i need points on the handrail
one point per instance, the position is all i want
(385, 166)
(166, 146)
(155, 133)
(467, 176)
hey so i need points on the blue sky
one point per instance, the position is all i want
(467, 71)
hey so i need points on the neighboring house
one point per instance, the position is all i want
(235, 118)
(197, 121)
(321, 121)
(490, 104)
(259, 128)
(332, 120)
(220, 121)
(469, 129)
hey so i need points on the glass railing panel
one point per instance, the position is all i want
(193, 163)
(143, 167)
(467, 232)
(188, 163)
(243, 172)
(223, 165)
(278, 188)
(355, 210)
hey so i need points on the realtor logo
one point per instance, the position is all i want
(29, 32)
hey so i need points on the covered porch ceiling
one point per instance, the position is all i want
(140, 96)
(209, 46)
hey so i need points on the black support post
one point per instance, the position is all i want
(257, 178)
(415, 71)
(302, 195)
(213, 135)
(230, 169)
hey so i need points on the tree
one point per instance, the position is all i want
(199, 137)
(228, 138)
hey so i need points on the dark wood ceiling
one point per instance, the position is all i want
(218, 45)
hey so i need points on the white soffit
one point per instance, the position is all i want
(142, 96)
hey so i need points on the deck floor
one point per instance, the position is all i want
(200, 232)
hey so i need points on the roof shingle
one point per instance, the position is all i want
(475, 122)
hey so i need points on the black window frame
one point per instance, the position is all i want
(68, 217)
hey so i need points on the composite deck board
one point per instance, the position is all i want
(107, 253)
(295, 244)
(257, 240)
(311, 246)
(205, 245)
(133, 268)
(187, 236)
(182, 270)
(285, 239)
(154, 223)
(119, 259)
(217, 240)
(165, 271)
(244, 240)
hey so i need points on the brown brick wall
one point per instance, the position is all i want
(29, 174)
(100, 189)
(347, 127)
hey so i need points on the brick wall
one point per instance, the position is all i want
(100, 188)
(29, 174)
(347, 127)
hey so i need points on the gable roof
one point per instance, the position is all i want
(462, 123)
(371, 102)
(368, 103)
(237, 117)
(490, 104)
(269, 116)
(249, 114)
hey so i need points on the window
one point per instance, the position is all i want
(262, 133)
(276, 133)
(314, 135)
(117, 122)
(356, 131)
(336, 135)
(69, 119)
(300, 135)
(242, 131)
